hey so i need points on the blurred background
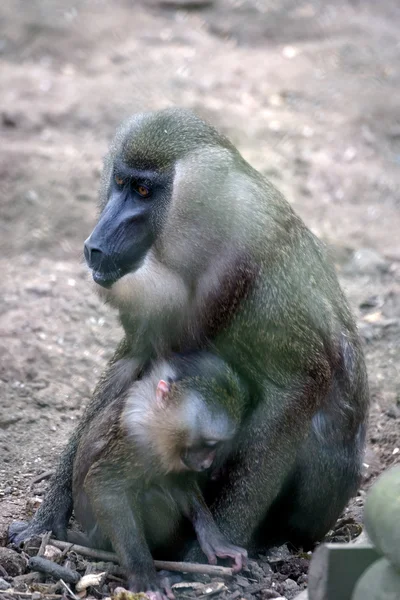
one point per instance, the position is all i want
(307, 90)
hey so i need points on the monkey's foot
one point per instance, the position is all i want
(221, 548)
(161, 590)
(21, 531)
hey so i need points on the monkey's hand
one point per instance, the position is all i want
(217, 546)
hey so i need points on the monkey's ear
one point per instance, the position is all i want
(163, 389)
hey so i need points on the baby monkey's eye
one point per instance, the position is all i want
(211, 443)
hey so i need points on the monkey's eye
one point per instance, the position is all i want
(143, 191)
(119, 180)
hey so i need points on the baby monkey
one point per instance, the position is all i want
(137, 467)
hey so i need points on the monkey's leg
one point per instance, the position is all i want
(212, 542)
(55, 511)
(326, 475)
(267, 447)
(119, 517)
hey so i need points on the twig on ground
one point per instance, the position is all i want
(27, 578)
(19, 594)
(181, 567)
(41, 477)
(45, 540)
(69, 591)
(65, 551)
(51, 568)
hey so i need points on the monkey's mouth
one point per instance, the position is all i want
(106, 280)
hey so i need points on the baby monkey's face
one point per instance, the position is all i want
(200, 456)
(199, 431)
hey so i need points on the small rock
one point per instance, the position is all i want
(4, 585)
(393, 412)
(371, 302)
(184, 4)
(267, 569)
(366, 261)
(280, 554)
(12, 562)
(41, 289)
(368, 332)
(255, 570)
(31, 196)
(269, 594)
(290, 584)
(242, 581)
(9, 120)
(52, 553)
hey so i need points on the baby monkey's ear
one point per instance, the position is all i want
(162, 393)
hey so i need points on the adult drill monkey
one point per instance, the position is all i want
(197, 249)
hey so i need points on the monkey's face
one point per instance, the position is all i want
(186, 432)
(162, 189)
(205, 431)
(129, 223)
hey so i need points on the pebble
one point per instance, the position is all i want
(4, 585)
(290, 584)
(242, 581)
(269, 595)
(393, 412)
(366, 261)
(255, 570)
(267, 569)
(185, 4)
(12, 562)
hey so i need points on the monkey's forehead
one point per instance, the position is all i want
(156, 140)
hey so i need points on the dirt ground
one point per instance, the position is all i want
(309, 93)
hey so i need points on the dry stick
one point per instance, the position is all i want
(37, 563)
(19, 594)
(45, 540)
(28, 578)
(42, 477)
(70, 592)
(181, 567)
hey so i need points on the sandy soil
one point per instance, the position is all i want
(309, 93)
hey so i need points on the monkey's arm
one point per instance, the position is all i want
(212, 541)
(55, 511)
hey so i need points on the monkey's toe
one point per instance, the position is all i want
(21, 531)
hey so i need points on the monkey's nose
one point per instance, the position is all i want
(93, 256)
(207, 462)
(97, 261)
